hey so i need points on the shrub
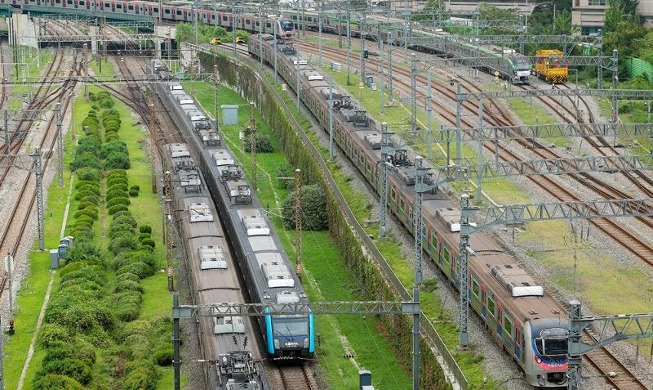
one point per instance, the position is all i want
(85, 160)
(128, 285)
(148, 242)
(122, 243)
(44, 381)
(116, 193)
(53, 334)
(84, 252)
(133, 193)
(117, 200)
(93, 199)
(87, 190)
(135, 187)
(141, 375)
(89, 174)
(128, 304)
(122, 213)
(118, 187)
(116, 160)
(127, 276)
(116, 208)
(145, 229)
(124, 218)
(73, 368)
(111, 147)
(163, 355)
(89, 212)
(90, 145)
(138, 268)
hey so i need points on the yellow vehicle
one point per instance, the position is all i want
(216, 41)
(240, 40)
(551, 66)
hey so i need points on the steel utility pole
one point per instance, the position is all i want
(252, 143)
(57, 111)
(298, 222)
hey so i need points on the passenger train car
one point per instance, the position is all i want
(170, 12)
(525, 321)
(263, 263)
(213, 275)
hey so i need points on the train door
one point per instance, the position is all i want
(484, 300)
(518, 341)
(499, 320)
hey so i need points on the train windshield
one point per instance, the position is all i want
(552, 342)
(522, 63)
(289, 326)
(287, 25)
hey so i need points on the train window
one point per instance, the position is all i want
(507, 326)
(248, 22)
(490, 305)
(424, 232)
(166, 11)
(155, 10)
(476, 288)
(57, 2)
(446, 255)
(225, 18)
(518, 335)
(393, 194)
(402, 205)
(178, 12)
(118, 6)
(70, 2)
(434, 243)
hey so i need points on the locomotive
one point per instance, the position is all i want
(527, 323)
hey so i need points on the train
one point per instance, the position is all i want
(265, 266)
(525, 321)
(213, 275)
(501, 62)
(550, 65)
(180, 12)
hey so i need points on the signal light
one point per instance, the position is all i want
(366, 53)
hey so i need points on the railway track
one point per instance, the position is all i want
(290, 377)
(16, 224)
(602, 360)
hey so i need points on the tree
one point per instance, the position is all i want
(314, 211)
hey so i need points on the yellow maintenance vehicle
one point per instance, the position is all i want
(216, 41)
(551, 66)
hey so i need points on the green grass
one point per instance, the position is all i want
(157, 301)
(325, 277)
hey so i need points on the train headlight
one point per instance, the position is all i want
(538, 360)
(306, 342)
(276, 343)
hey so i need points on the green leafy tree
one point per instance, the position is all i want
(314, 210)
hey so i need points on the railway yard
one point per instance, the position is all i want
(606, 263)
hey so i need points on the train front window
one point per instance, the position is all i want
(289, 326)
(552, 342)
(287, 25)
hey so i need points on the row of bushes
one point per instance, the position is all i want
(99, 297)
